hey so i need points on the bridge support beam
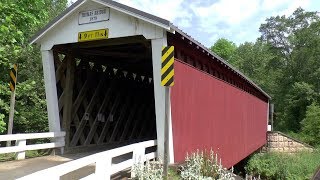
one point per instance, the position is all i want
(159, 93)
(51, 93)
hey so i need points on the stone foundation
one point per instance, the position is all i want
(279, 142)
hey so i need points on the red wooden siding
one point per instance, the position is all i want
(209, 113)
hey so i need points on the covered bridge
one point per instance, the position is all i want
(102, 61)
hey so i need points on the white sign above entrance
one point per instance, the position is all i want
(93, 16)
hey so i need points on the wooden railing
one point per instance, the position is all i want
(104, 167)
(21, 142)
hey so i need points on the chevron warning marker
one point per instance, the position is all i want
(13, 77)
(167, 69)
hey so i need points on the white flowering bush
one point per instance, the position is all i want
(192, 169)
(151, 170)
(199, 166)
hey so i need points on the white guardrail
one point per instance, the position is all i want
(21, 142)
(104, 167)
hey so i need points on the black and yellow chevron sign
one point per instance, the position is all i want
(167, 70)
(13, 77)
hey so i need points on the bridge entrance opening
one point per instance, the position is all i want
(105, 92)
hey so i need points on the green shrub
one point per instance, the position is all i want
(311, 125)
(297, 166)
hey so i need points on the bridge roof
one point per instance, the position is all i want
(146, 17)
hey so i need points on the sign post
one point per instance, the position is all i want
(167, 80)
(271, 115)
(13, 83)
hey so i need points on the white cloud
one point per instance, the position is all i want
(228, 11)
(184, 22)
(293, 5)
(172, 10)
(208, 20)
(270, 5)
(167, 9)
(239, 21)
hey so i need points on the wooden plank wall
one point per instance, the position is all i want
(100, 104)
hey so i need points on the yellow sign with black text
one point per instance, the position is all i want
(93, 35)
(167, 70)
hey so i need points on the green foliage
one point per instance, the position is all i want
(295, 42)
(18, 22)
(224, 48)
(254, 60)
(299, 166)
(311, 124)
(173, 174)
(299, 96)
(284, 61)
(29, 154)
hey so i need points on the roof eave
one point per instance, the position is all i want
(165, 24)
(220, 59)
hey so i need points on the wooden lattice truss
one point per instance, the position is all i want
(101, 104)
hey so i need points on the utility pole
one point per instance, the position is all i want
(13, 83)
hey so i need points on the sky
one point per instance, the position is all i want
(209, 20)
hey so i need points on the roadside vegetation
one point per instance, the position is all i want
(198, 166)
(297, 166)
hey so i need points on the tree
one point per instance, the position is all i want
(298, 98)
(256, 61)
(224, 48)
(295, 42)
(311, 124)
(19, 21)
(280, 31)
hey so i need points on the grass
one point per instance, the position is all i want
(29, 154)
(173, 174)
(297, 166)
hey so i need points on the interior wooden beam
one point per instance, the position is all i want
(61, 69)
(87, 111)
(145, 122)
(80, 98)
(61, 101)
(119, 121)
(67, 108)
(129, 121)
(85, 104)
(76, 122)
(132, 55)
(137, 121)
(105, 102)
(107, 124)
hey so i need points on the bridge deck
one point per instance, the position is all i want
(15, 169)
